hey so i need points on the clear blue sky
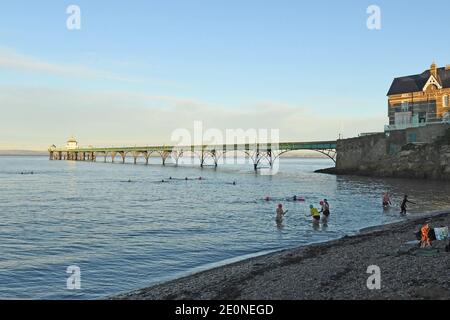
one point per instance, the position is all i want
(316, 54)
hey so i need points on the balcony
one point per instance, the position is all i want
(403, 126)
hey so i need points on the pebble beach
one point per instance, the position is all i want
(334, 270)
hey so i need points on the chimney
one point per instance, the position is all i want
(433, 70)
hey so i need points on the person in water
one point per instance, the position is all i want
(280, 213)
(296, 198)
(315, 214)
(325, 210)
(403, 205)
(386, 200)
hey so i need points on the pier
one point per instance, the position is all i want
(264, 154)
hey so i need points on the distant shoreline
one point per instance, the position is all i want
(43, 153)
(336, 269)
(24, 153)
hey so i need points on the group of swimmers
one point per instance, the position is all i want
(294, 198)
(315, 213)
(324, 210)
(403, 206)
(188, 179)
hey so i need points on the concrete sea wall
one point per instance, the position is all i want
(422, 152)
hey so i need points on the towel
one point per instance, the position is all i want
(441, 233)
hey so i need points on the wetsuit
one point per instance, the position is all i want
(326, 209)
(403, 205)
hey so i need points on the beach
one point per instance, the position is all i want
(333, 270)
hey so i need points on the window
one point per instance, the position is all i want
(446, 101)
(405, 106)
(422, 117)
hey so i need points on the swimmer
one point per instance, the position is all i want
(234, 183)
(297, 198)
(280, 213)
(314, 214)
(186, 179)
(386, 200)
(325, 209)
(267, 198)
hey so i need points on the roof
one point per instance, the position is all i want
(416, 82)
(72, 139)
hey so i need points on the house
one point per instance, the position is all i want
(419, 99)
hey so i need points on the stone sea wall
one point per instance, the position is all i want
(422, 153)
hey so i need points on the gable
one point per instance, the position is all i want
(432, 81)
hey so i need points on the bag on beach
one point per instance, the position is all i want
(418, 235)
(431, 234)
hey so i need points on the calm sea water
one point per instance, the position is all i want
(127, 235)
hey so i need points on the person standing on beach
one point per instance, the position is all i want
(280, 213)
(403, 205)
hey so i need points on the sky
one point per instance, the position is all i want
(138, 71)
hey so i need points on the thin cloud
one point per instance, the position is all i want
(38, 117)
(13, 60)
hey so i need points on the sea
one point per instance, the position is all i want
(92, 230)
